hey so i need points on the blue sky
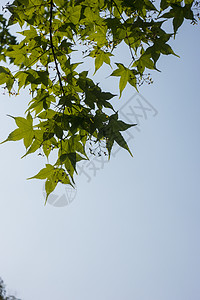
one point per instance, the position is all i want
(132, 232)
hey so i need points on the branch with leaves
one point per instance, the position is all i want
(68, 112)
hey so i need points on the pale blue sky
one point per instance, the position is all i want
(132, 232)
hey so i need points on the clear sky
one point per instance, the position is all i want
(132, 231)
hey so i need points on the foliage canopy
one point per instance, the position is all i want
(68, 110)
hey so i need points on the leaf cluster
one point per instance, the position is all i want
(6, 38)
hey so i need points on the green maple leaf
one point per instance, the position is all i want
(24, 131)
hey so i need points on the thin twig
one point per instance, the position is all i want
(52, 47)
(53, 52)
(133, 58)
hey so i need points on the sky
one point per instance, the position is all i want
(130, 230)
